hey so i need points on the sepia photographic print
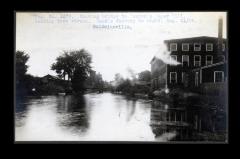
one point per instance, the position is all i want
(154, 77)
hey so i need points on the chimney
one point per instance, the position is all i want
(220, 32)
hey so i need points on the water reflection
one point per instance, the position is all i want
(92, 117)
(72, 113)
(22, 106)
(169, 121)
(111, 117)
(131, 104)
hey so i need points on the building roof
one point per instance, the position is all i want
(154, 57)
(50, 76)
(193, 39)
(209, 66)
(142, 83)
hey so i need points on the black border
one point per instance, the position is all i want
(233, 30)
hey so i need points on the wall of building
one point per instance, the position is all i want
(208, 73)
(158, 74)
(158, 67)
(191, 53)
(206, 83)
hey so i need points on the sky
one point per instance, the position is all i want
(130, 40)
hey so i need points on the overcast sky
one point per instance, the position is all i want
(45, 35)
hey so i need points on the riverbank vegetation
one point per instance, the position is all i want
(76, 65)
(136, 86)
(74, 75)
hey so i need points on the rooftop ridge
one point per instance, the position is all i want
(196, 37)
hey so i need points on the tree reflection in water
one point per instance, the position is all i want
(131, 105)
(73, 114)
(21, 108)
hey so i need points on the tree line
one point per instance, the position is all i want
(135, 85)
(74, 64)
(76, 75)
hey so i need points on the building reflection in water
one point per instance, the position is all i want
(188, 121)
(168, 119)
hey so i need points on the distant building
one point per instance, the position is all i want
(52, 84)
(50, 78)
(142, 83)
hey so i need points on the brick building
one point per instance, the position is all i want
(199, 60)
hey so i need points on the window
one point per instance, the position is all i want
(196, 79)
(173, 58)
(185, 47)
(173, 77)
(155, 83)
(218, 76)
(197, 60)
(185, 60)
(167, 116)
(197, 47)
(173, 47)
(183, 76)
(223, 47)
(209, 47)
(185, 79)
(209, 60)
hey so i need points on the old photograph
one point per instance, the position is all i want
(154, 77)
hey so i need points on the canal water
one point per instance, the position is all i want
(91, 117)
